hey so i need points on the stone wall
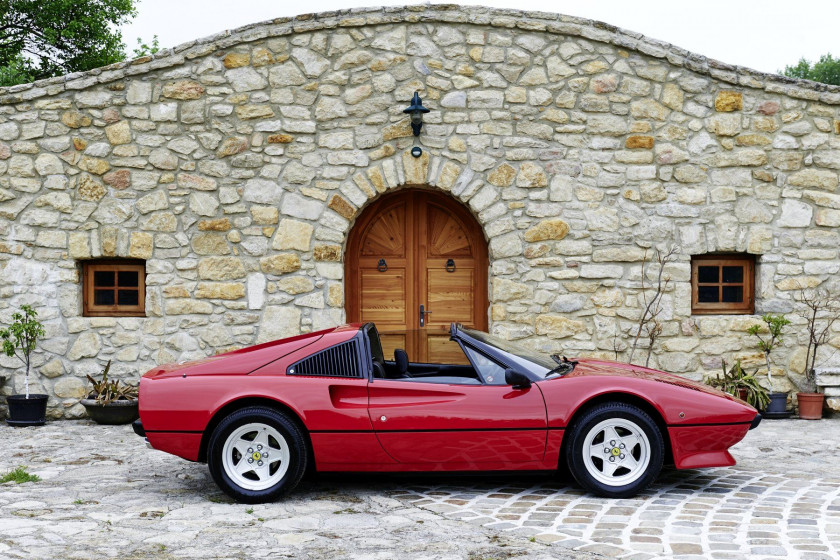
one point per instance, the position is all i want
(235, 166)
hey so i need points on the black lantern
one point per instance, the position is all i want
(416, 111)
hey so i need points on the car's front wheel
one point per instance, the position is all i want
(257, 454)
(616, 450)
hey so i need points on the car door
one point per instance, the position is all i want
(458, 425)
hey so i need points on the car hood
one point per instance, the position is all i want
(588, 367)
(237, 362)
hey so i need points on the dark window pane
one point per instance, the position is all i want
(128, 278)
(103, 297)
(733, 294)
(707, 274)
(128, 297)
(733, 274)
(103, 278)
(707, 294)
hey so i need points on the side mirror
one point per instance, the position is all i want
(517, 380)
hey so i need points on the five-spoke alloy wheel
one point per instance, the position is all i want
(615, 450)
(257, 454)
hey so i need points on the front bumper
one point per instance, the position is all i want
(137, 425)
(753, 425)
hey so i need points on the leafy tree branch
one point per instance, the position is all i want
(40, 39)
(825, 70)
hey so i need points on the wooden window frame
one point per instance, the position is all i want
(747, 307)
(89, 309)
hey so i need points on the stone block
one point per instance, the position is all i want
(327, 253)
(87, 345)
(69, 388)
(220, 268)
(814, 178)
(601, 271)
(728, 101)
(278, 322)
(141, 245)
(558, 326)
(280, 264)
(188, 307)
(183, 90)
(221, 290)
(555, 229)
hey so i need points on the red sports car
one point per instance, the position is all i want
(262, 415)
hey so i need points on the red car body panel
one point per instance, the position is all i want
(437, 423)
(358, 424)
(705, 446)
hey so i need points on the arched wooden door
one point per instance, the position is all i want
(396, 262)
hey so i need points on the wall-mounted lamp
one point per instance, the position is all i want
(416, 111)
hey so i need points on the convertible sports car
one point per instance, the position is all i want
(262, 415)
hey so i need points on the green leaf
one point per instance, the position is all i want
(825, 70)
(40, 39)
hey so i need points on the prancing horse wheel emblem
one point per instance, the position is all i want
(257, 455)
(616, 451)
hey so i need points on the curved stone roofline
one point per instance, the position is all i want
(436, 13)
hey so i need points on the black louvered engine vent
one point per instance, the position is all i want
(341, 360)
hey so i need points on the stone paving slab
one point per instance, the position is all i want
(104, 495)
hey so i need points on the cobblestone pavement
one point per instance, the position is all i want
(104, 495)
(781, 501)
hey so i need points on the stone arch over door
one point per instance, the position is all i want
(410, 248)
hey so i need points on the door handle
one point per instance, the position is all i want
(423, 314)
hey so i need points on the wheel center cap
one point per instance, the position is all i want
(256, 456)
(615, 451)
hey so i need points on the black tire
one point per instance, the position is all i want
(594, 474)
(295, 443)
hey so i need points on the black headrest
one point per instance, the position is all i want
(401, 360)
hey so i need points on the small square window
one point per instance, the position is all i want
(722, 284)
(114, 288)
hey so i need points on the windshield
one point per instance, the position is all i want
(535, 362)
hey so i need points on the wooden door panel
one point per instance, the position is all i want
(386, 235)
(440, 350)
(390, 342)
(446, 237)
(383, 297)
(450, 296)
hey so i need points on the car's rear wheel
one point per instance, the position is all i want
(616, 450)
(257, 454)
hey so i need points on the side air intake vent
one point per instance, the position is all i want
(341, 360)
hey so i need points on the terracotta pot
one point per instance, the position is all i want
(810, 405)
(742, 393)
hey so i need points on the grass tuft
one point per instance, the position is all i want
(19, 476)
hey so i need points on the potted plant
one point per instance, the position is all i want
(108, 402)
(775, 325)
(19, 339)
(820, 311)
(739, 383)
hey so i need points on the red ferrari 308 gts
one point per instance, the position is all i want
(261, 415)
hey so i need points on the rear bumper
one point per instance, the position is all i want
(183, 444)
(137, 425)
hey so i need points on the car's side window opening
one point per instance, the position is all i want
(490, 371)
(403, 367)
